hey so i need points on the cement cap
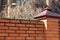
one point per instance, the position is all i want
(47, 12)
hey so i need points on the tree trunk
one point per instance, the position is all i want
(49, 3)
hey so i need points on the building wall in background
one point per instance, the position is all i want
(26, 7)
(20, 10)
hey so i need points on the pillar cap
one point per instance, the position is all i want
(47, 13)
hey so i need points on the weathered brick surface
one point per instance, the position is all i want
(13, 35)
(4, 21)
(10, 38)
(30, 38)
(15, 21)
(10, 31)
(9, 24)
(3, 34)
(20, 25)
(1, 24)
(25, 21)
(3, 28)
(27, 30)
(20, 38)
(2, 31)
(2, 38)
(20, 29)
(52, 32)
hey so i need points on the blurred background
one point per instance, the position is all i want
(26, 9)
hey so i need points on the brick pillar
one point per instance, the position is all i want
(52, 29)
(50, 20)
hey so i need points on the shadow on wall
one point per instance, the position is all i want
(59, 29)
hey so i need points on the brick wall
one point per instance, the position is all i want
(21, 30)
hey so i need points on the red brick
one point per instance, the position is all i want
(52, 22)
(39, 32)
(59, 26)
(52, 19)
(3, 28)
(52, 38)
(52, 33)
(24, 35)
(33, 35)
(48, 39)
(30, 38)
(23, 28)
(33, 29)
(24, 21)
(2, 31)
(40, 35)
(40, 29)
(2, 38)
(39, 26)
(9, 24)
(13, 28)
(1, 24)
(52, 30)
(30, 32)
(20, 25)
(55, 39)
(10, 38)
(3, 34)
(20, 38)
(4, 20)
(10, 31)
(14, 21)
(48, 31)
(33, 22)
(20, 31)
(30, 25)
(51, 27)
(40, 38)
(13, 35)
(40, 23)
